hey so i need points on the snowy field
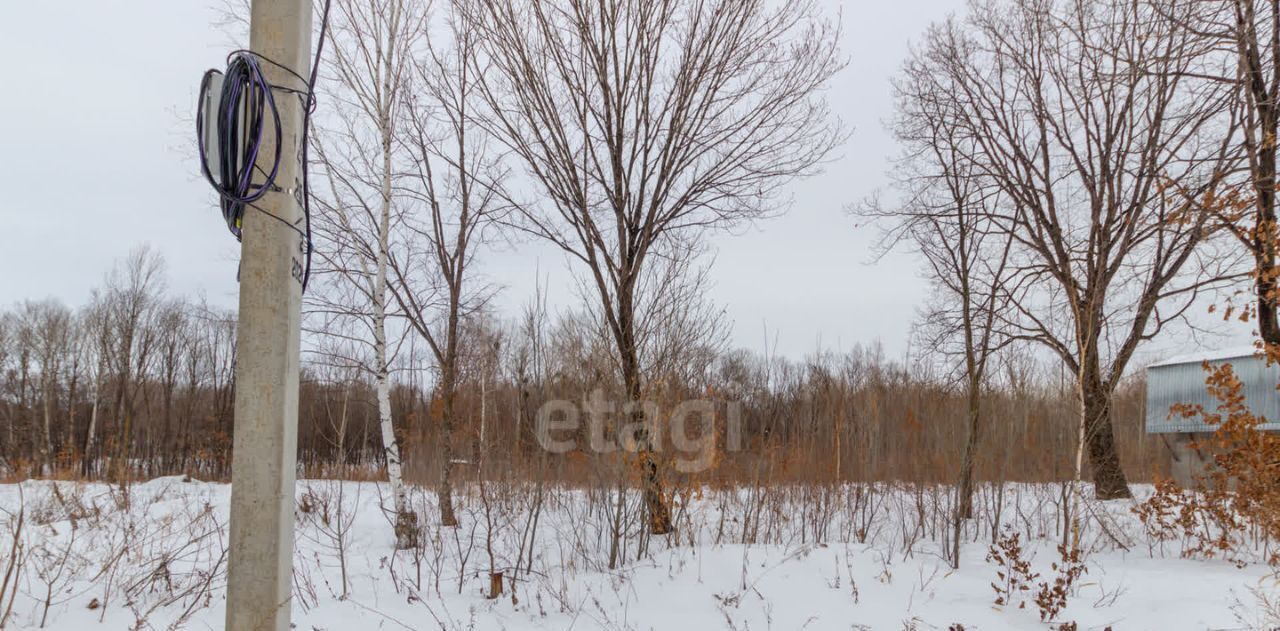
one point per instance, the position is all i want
(853, 557)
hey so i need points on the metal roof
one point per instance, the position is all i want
(1209, 356)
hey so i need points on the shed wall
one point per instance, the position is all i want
(1171, 384)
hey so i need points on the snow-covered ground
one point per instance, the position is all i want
(854, 557)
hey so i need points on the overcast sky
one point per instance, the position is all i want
(95, 158)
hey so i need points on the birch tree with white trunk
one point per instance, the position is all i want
(357, 215)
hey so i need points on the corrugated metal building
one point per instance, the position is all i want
(1181, 380)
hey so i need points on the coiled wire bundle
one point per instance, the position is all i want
(245, 102)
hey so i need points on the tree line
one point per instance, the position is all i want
(139, 383)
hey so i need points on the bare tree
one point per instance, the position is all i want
(644, 125)
(47, 324)
(96, 328)
(453, 195)
(172, 345)
(370, 55)
(79, 355)
(217, 330)
(1255, 32)
(1087, 115)
(130, 301)
(946, 213)
(1247, 33)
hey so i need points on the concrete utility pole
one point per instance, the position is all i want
(260, 569)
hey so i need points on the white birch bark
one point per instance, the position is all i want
(382, 367)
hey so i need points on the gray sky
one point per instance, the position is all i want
(95, 157)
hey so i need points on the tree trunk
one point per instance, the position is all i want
(23, 407)
(86, 458)
(122, 473)
(654, 500)
(1264, 246)
(1268, 325)
(113, 468)
(444, 489)
(1264, 177)
(1109, 481)
(342, 425)
(406, 522)
(47, 446)
(1265, 284)
(484, 397)
(965, 507)
(406, 526)
(68, 437)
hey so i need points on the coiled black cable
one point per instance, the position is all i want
(244, 104)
